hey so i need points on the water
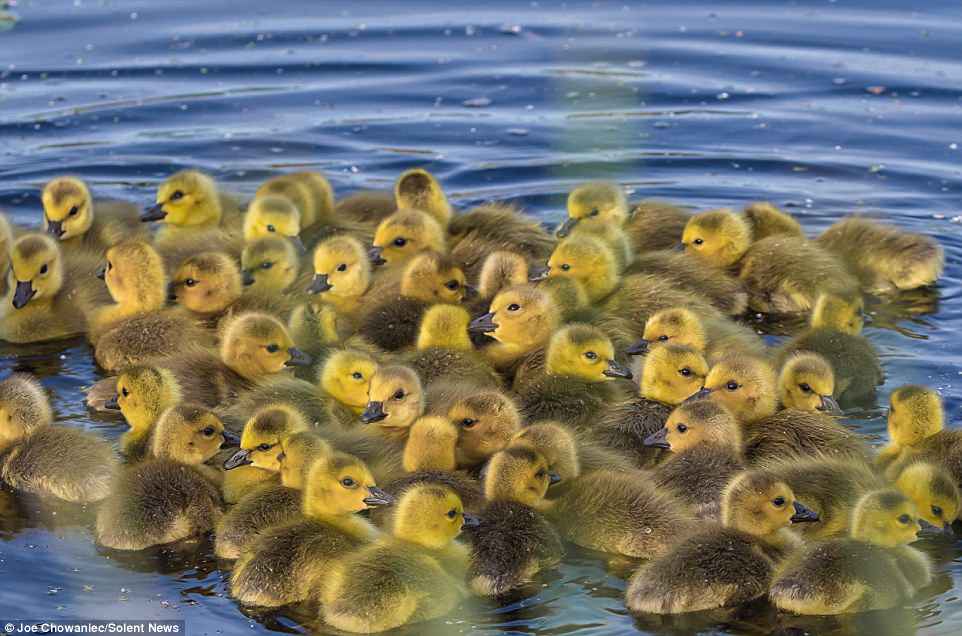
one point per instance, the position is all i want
(823, 107)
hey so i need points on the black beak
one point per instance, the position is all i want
(153, 213)
(238, 459)
(701, 394)
(483, 324)
(830, 406)
(298, 358)
(470, 291)
(102, 272)
(679, 248)
(374, 255)
(553, 478)
(378, 498)
(23, 293)
(112, 404)
(640, 348)
(172, 292)
(616, 370)
(319, 284)
(566, 227)
(658, 439)
(539, 273)
(231, 440)
(471, 521)
(803, 514)
(247, 277)
(55, 228)
(298, 244)
(374, 412)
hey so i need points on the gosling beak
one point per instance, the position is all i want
(471, 521)
(231, 440)
(616, 370)
(803, 514)
(701, 394)
(23, 293)
(374, 255)
(483, 324)
(247, 277)
(298, 244)
(470, 291)
(829, 405)
(238, 459)
(373, 412)
(658, 439)
(112, 404)
(298, 358)
(172, 292)
(281, 456)
(929, 528)
(153, 213)
(55, 228)
(680, 247)
(102, 272)
(539, 273)
(553, 478)
(378, 498)
(319, 284)
(565, 228)
(640, 348)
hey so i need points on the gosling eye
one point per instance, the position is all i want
(698, 241)
(264, 447)
(74, 211)
(342, 267)
(541, 474)
(267, 265)
(110, 266)
(514, 307)
(682, 428)
(452, 284)
(663, 338)
(594, 212)
(778, 502)
(357, 375)
(272, 348)
(43, 269)
(271, 228)
(452, 513)
(208, 431)
(347, 482)
(732, 385)
(565, 267)
(468, 422)
(686, 372)
(124, 392)
(400, 242)
(591, 355)
(937, 511)
(177, 196)
(905, 519)
(804, 386)
(399, 395)
(190, 282)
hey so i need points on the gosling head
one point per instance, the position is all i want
(522, 316)
(433, 278)
(24, 408)
(806, 383)
(135, 276)
(36, 269)
(430, 516)
(310, 192)
(588, 260)
(486, 422)
(68, 209)
(933, 491)
(342, 270)
(403, 234)
(915, 413)
(298, 453)
(556, 443)
(719, 237)
(260, 442)
(745, 386)
(339, 485)
(595, 204)
(346, 377)
(256, 345)
(761, 505)
(272, 215)
(188, 198)
(418, 189)
(143, 393)
(501, 270)
(430, 445)
(269, 265)
(519, 474)
(190, 434)
(886, 518)
(678, 325)
(445, 327)
(672, 374)
(583, 352)
(206, 283)
(702, 422)
(845, 314)
(395, 398)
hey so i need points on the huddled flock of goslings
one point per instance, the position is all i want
(484, 390)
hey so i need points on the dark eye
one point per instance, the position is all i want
(264, 447)
(732, 385)
(43, 269)
(190, 282)
(681, 428)
(662, 338)
(565, 267)
(271, 228)
(74, 211)
(904, 519)
(272, 348)
(208, 431)
(778, 501)
(110, 266)
(347, 482)
(452, 284)
(685, 371)
(594, 212)
(400, 242)
(124, 392)
(342, 267)
(541, 474)
(698, 241)
(937, 511)
(805, 387)
(468, 422)
(514, 307)
(452, 513)
(177, 195)
(267, 265)
(357, 375)
(591, 355)
(399, 395)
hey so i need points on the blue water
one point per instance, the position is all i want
(825, 107)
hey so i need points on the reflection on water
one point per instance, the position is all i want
(826, 108)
